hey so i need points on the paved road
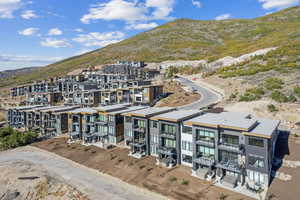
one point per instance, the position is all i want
(91, 183)
(208, 97)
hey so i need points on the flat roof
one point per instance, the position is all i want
(84, 111)
(111, 108)
(265, 127)
(149, 112)
(42, 108)
(176, 116)
(25, 107)
(231, 120)
(129, 109)
(61, 109)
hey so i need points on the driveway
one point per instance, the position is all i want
(90, 182)
(208, 97)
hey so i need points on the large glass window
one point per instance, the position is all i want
(168, 129)
(230, 140)
(111, 118)
(169, 143)
(205, 135)
(102, 117)
(206, 151)
(255, 141)
(141, 123)
(102, 129)
(226, 156)
(128, 133)
(111, 129)
(257, 177)
(256, 161)
(187, 129)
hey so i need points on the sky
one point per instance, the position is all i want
(40, 32)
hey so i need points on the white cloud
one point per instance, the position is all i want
(18, 58)
(115, 10)
(7, 7)
(162, 8)
(278, 4)
(130, 11)
(55, 43)
(78, 30)
(198, 4)
(29, 31)
(99, 39)
(55, 31)
(145, 26)
(29, 14)
(223, 16)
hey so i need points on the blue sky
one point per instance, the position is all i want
(39, 32)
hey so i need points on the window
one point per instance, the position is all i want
(102, 129)
(187, 129)
(153, 149)
(230, 140)
(111, 129)
(154, 124)
(187, 159)
(257, 177)
(168, 129)
(226, 156)
(141, 123)
(128, 133)
(111, 118)
(154, 138)
(206, 151)
(254, 141)
(170, 143)
(256, 161)
(205, 135)
(187, 146)
(102, 117)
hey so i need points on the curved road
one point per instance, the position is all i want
(88, 181)
(208, 97)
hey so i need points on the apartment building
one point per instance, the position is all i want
(137, 132)
(48, 98)
(55, 120)
(16, 116)
(166, 141)
(234, 148)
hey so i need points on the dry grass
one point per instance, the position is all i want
(2, 116)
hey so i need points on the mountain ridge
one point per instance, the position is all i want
(186, 39)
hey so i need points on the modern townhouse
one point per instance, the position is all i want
(137, 132)
(16, 116)
(166, 141)
(34, 117)
(48, 98)
(235, 148)
(55, 121)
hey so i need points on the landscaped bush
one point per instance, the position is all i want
(10, 138)
(252, 94)
(273, 83)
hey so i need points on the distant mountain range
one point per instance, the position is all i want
(17, 72)
(186, 39)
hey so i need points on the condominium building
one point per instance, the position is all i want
(166, 141)
(137, 132)
(235, 148)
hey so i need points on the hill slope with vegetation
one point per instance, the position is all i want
(186, 39)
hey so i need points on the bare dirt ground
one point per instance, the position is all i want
(38, 185)
(286, 186)
(176, 183)
(179, 96)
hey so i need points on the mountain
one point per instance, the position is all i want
(186, 39)
(17, 72)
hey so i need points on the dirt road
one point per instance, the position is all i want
(88, 181)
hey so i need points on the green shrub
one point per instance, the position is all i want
(279, 97)
(292, 98)
(184, 182)
(297, 91)
(273, 83)
(252, 94)
(272, 108)
(223, 196)
(10, 138)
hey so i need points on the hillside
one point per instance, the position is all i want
(186, 39)
(22, 71)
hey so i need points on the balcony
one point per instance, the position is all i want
(168, 135)
(205, 160)
(138, 143)
(139, 128)
(203, 142)
(167, 151)
(232, 147)
(231, 165)
(101, 134)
